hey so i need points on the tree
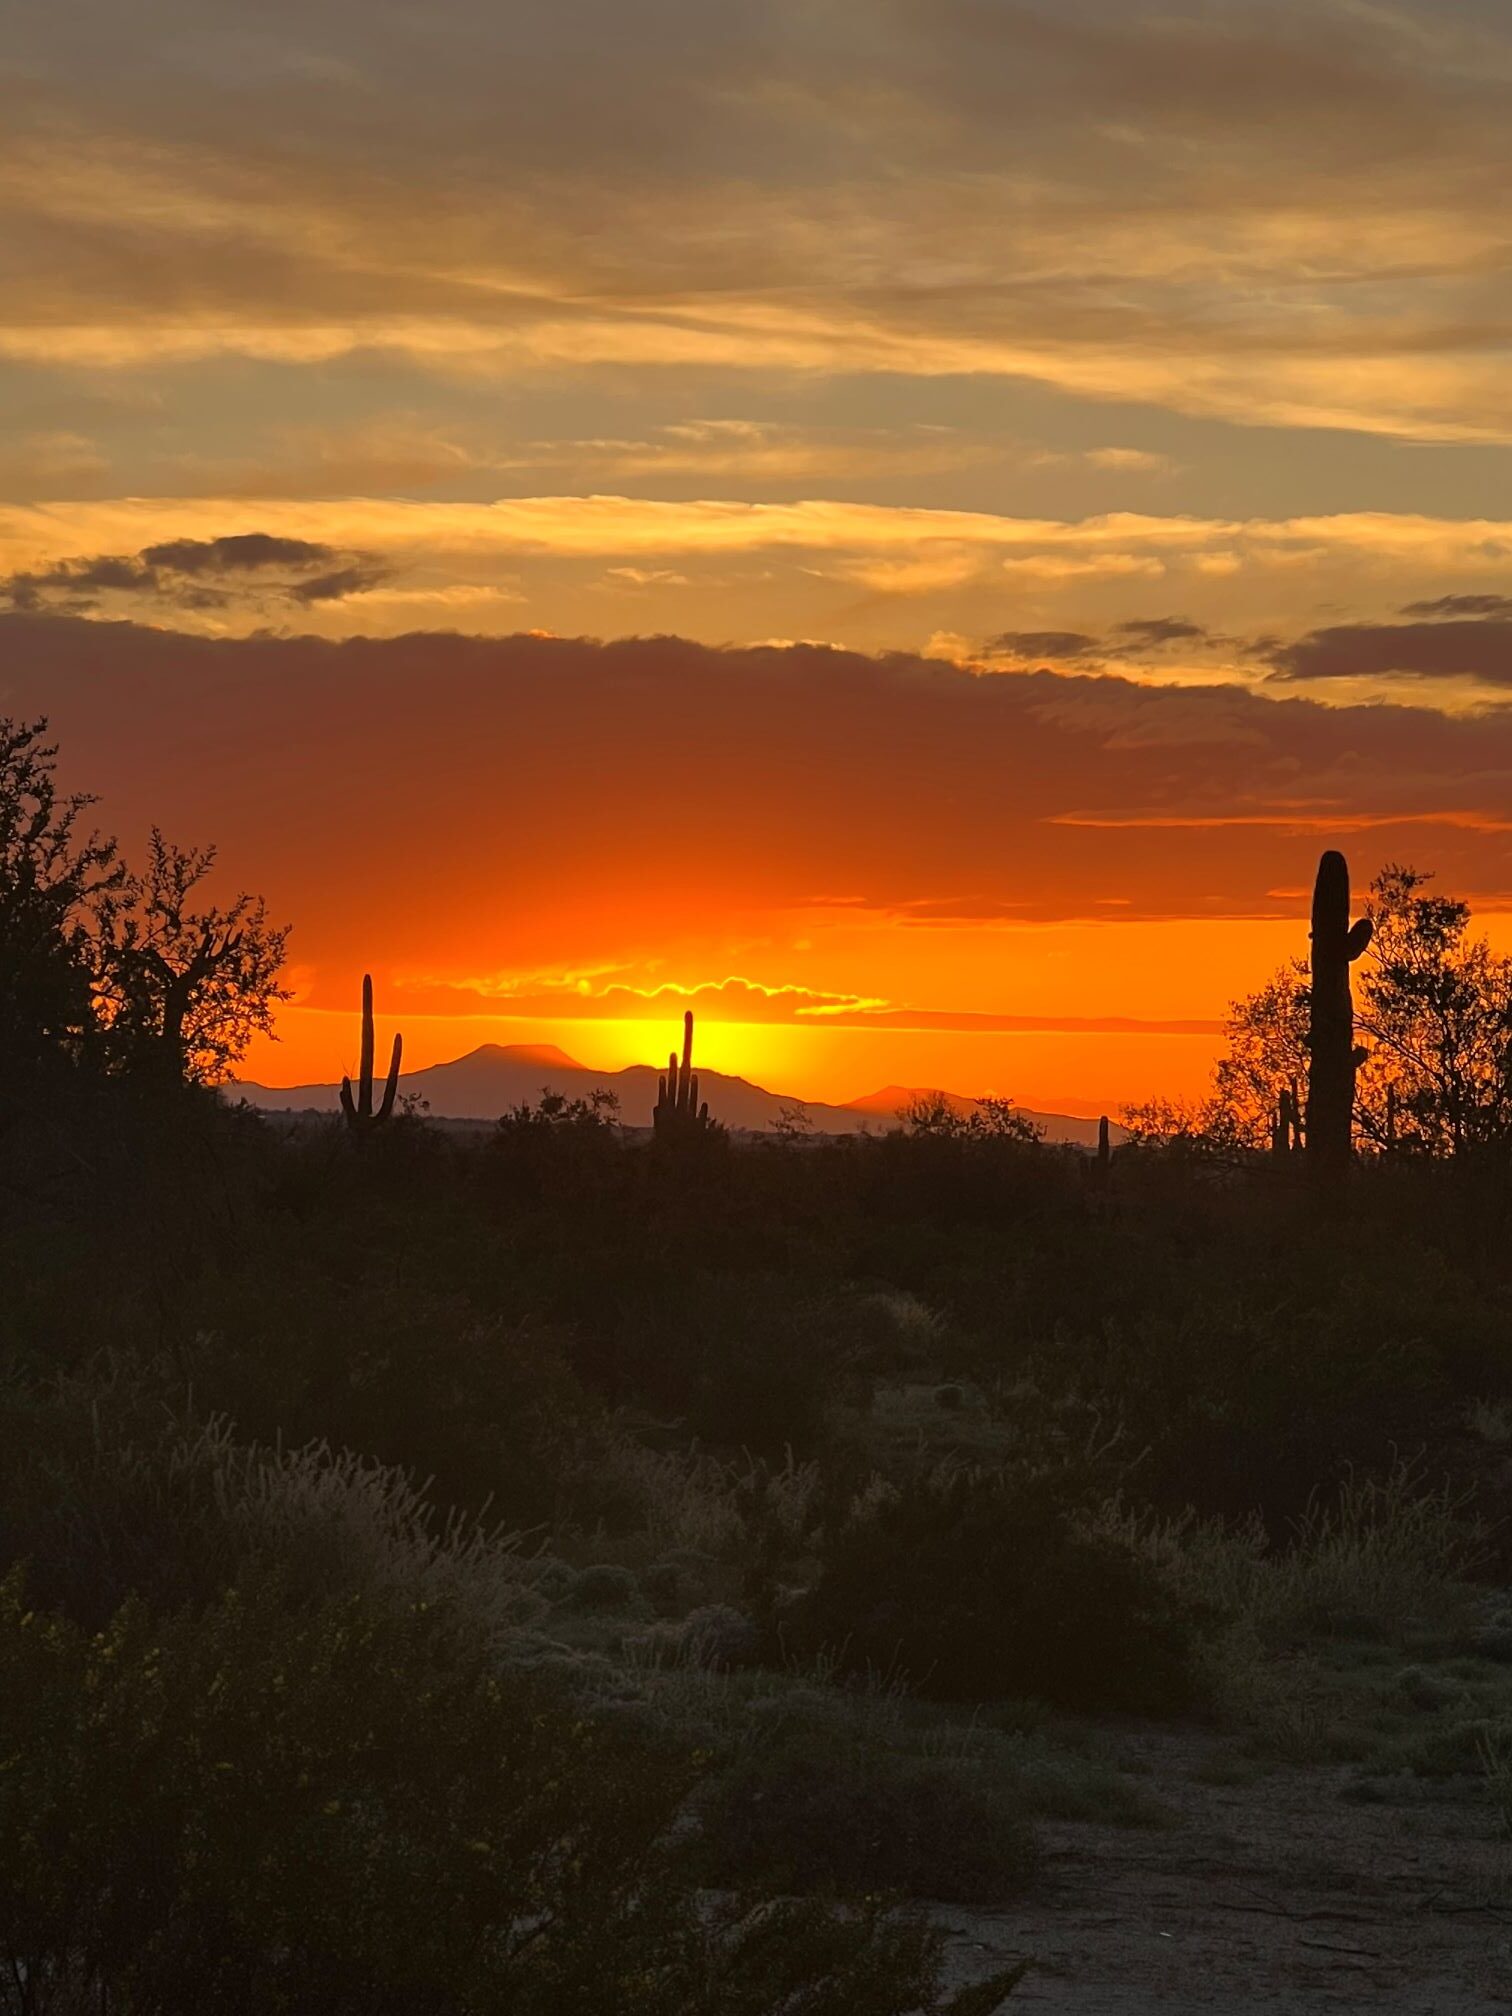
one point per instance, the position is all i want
(1436, 1006)
(936, 1115)
(1266, 1057)
(186, 990)
(57, 884)
(1435, 1018)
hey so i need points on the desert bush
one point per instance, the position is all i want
(969, 1588)
(747, 1362)
(1377, 1557)
(812, 1812)
(719, 1636)
(252, 1809)
(605, 1586)
(393, 1364)
(111, 1494)
(1382, 1553)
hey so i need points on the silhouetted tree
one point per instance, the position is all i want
(1434, 1017)
(1437, 1008)
(989, 1119)
(57, 883)
(186, 989)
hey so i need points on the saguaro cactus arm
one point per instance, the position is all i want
(391, 1083)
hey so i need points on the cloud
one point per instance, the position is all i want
(1458, 648)
(1461, 605)
(199, 575)
(1271, 213)
(52, 459)
(1026, 646)
(235, 553)
(1152, 633)
(732, 999)
(1136, 638)
(533, 804)
(1134, 461)
(628, 528)
(397, 451)
(748, 1002)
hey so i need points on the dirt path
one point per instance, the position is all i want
(1270, 1896)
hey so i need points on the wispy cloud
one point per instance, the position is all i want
(1266, 213)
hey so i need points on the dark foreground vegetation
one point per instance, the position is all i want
(556, 1573)
(838, 1472)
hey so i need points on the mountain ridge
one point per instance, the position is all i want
(486, 1081)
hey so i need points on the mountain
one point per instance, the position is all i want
(494, 1077)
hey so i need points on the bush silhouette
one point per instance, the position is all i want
(973, 1589)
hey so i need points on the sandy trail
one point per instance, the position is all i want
(1275, 1895)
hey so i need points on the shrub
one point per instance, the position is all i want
(607, 1587)
(255, 1809)
(399, 1369)
(110, 1494)
(970, 1588)
(1376, 1558)
(718, 1636)
(815, 1813)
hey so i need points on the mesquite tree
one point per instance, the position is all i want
(185, 989)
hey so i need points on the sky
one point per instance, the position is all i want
(903, 526)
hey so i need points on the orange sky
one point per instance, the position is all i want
(857, 870)
(908, 526)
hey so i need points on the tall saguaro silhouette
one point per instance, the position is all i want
(678, 1115)
(1332, 1057)
(359, 1111)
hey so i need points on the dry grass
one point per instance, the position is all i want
(689, 1501)
(347, 1522)
(1380, 1557)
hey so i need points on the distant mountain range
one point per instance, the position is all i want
(494, 1077)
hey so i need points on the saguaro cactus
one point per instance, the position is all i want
(678, 1115)
(359, 1111)
(1104, 1146)
(1286, 1129)
(1332, 1056)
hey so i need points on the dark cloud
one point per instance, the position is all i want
(1149, 633)
(1460, 648)
(1462, 605)
(1127, 640)
(340, 582)
(184, 573)
(237, 552)
(1031, 644)
(921, 789)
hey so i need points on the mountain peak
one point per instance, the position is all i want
(549, 1054)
